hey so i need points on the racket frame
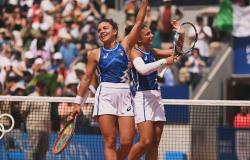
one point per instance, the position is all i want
(175, 52)
(176, 36)
(54, 150)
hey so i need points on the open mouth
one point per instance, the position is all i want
(103, 35)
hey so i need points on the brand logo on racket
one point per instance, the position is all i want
(3, 129)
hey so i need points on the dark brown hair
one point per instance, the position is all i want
(130, 27)
(111, 22)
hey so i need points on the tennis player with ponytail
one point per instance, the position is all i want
(149, 113)
(113, 103)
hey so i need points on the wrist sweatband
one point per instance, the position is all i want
(80, 100)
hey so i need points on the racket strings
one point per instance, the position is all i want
(185, 42)
(64, 138)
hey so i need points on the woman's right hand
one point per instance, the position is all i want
(76, 108)
(76, 111)
(172, 59)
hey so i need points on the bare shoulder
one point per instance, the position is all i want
(94, 54)
(95, 51)
(135, 53)
(124, 44)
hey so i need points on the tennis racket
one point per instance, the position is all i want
(65, 135)
(182, 43)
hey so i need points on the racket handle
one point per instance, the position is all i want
(160, 77)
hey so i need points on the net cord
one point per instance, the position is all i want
(163, 101)
(205, 102)
(42, 99)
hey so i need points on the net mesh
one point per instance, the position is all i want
(195, 130)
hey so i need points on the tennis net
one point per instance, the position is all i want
(195, 129)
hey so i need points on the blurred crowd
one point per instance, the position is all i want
(47, 40)
(43, 52)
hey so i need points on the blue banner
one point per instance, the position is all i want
(226, 143)
(81, 147)
(241, 48)
(176, 114)
(233, 143)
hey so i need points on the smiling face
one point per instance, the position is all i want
(146, 37)
(106, 32)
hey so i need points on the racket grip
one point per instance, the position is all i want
(161, 75)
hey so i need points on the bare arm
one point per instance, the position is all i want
(202, 63)
(131, 39)
(90, 71)
(190, 62)
(207, 31)
(160, 53)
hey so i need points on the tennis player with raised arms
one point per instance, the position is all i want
(149, 113)
(113, 103)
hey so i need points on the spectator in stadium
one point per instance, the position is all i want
(71, 83)
(242, 119)
(68, 50)
(130, 19)
(58, 68)
(43, 42)
(103, 8)
(37, 116)
(29, 60)
(35, 14)
(168, 12)
(79, 70)
(149, 113)
(113, 108)
(195, 65)
(241, 122)
(39, 51)
(148, 18)
(27, 77)
(131, 7)
(204, 36)
(157, 41)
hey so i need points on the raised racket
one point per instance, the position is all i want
(183, 44)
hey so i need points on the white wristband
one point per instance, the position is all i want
(79, 100)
